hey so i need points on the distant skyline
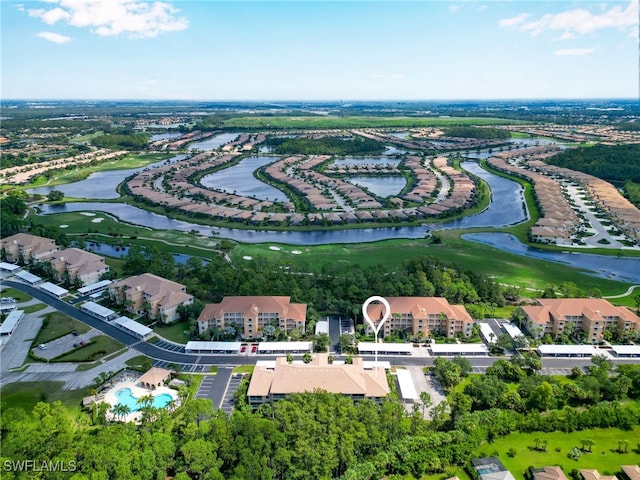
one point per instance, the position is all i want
(308, 50)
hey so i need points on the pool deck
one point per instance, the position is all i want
(138, 392)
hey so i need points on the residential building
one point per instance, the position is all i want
(592, 474)
(630, 472)
(252, 313)
(548, 473)
(424, 315)
(490, 468)
(271, 384)
(78, 266)
(593, 316)
(28, 248)
(155, 296)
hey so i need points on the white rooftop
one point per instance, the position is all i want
(459, 348)
(134, 326)
(94, 286)
(28, 277)
(54, 289)
(407, 387)
(9, 267)
(512, 330)
(370, 365)
(284, 346)
(570, 350)
(98, 309)
(11, 321)
(385, 347)
(322, 326)
(487, 332)
(213, 346)
(626, 349)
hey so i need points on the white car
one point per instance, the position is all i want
(42, 346)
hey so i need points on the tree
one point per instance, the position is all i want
(306, 358)
(321, 342)
(55, 196)
(587, 445)
(425, 399)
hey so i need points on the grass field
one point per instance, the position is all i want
(34, 308)
(98, 347)
(292, 122)
(173, 332)
(502, 266)
(604, 458)
(26, 394)
(57, 325)
(15, 294)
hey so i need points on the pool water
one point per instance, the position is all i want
(125, 397)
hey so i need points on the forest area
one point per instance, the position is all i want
(324, 146)
(320, 435)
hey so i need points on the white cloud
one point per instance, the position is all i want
(577, 21)
(513, 21)
(388, 76)
(574, 52)
(454, 8)
(130, 18)
(54, 37)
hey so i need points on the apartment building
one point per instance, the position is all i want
(423, 314)
(591, 315)
(80, 266)
(28, 248)
(252, 313)
(158, 297)
(276, 383)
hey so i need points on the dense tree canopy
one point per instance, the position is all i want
(121, 140)
(475, 132)
(324, 145)
(610, 162)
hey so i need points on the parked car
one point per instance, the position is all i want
(254, 349)
(42, 346)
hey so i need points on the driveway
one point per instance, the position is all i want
(64, 344)
(426, 383)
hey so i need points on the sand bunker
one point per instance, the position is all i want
(64, 226)
(274, 248)
(88, 214)
(97, 220)
(247, 257)
(296, 252)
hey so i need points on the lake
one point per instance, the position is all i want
(213, 142)
(100, 185)
(380, 185)
(239, 179)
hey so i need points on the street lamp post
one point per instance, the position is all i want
(374, 327)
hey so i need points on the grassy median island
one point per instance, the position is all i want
(58, 325)
(97, 347)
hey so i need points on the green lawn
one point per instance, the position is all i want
(34, 308)
(604, 458)
(139, 361)
(502, 266)
(16, 294)
(26, 394)
(57, 325)
(98, 347)
(173, 332)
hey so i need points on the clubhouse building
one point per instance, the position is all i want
(272, 384)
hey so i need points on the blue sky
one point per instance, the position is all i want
(308, 50)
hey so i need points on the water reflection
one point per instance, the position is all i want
(614, 268)
(239, 179)
(381, 185)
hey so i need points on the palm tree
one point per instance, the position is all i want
(120, 410)
(425, 398)
(172, 404)
(146, 401)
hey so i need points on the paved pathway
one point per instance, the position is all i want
(214, 387)
(427, 383)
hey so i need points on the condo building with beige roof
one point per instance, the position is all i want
(591, 315)
(78, 266)
(423, 314)
(271, 384)
(28, 248)
(252, 313)
(157, 296)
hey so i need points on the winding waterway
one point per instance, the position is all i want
(506, 208)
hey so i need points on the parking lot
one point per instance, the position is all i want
(183, 367)
(216, 388)
(62, 345)
(232, 387)
(172, 347)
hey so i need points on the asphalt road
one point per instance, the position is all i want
(158, 353)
